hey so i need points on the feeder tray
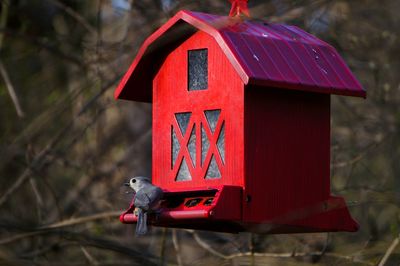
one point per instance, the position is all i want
(220, 209)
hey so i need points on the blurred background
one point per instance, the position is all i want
(66, 146)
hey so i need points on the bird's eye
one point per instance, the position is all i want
(133, 180)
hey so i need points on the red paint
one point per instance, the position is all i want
(287, 150)
(239, 7)
(225, 207)
(172, 216)
(171, 96)
(287, 154)
(272, 84)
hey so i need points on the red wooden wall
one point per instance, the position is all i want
(170, 95)
(287, 152)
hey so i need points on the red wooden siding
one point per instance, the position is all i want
(171, 96)
(264, 54)
(287, 144)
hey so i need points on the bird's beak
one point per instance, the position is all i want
(127, 184)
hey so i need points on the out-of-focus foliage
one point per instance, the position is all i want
(66, 153)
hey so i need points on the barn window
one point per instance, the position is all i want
(197, 69)
(221, 143)
(184, 173)
(192, 146)
(212, 118)
(183, 121)
(175, 147)
(205, 145)
(213, 170)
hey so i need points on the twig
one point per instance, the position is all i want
(39, 198)
(20, 180)
(207, 246)
(289, 15)
(83, 239)
(163, 246)
(11, 90)
(89, 257)
(50, 47)
(3, 71)
(21, 236)
(35, 189)
(175, 241)
(74, 15)
(271, 255)
(70, 222)
(350, 162)
(3, 20)
(99, 36)
(39, 160)
(389, 251)
(360, 156)
(80, 220)
(251, 248)
(38, 252)
(86, 180)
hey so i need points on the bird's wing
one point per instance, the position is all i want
(155, 194)
(142, 200)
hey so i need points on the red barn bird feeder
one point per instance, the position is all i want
(241, 124)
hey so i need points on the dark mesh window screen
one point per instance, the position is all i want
(213, 170)
(184, 173)
(212, 118)
(192, 146)
(198, 69)
(205, 145)
(183, 121)
(221, 143)
(175, 147)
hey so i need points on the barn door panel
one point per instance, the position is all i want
(197, 145)
(183, 146)
(212, 133)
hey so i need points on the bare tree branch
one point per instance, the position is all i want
(39, 160)
(212, 250)
(80, 220)
(389, 251)
(52, 48)
(70, 222)
(163, 246)
(81, 20)
(3, 71)
(11, 90)
(89, 257)
(178, 251)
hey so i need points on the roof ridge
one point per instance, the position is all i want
(284, 46)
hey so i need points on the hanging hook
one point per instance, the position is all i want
(238, 8)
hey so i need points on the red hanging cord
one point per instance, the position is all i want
(239, 7)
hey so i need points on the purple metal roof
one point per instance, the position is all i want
(264, 54)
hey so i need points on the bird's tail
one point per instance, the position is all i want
(141, 226)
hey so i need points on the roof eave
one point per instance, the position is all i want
(355, 92)
(119, 92)
(136, 84)
(124, 91)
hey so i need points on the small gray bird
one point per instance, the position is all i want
(147, 198)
